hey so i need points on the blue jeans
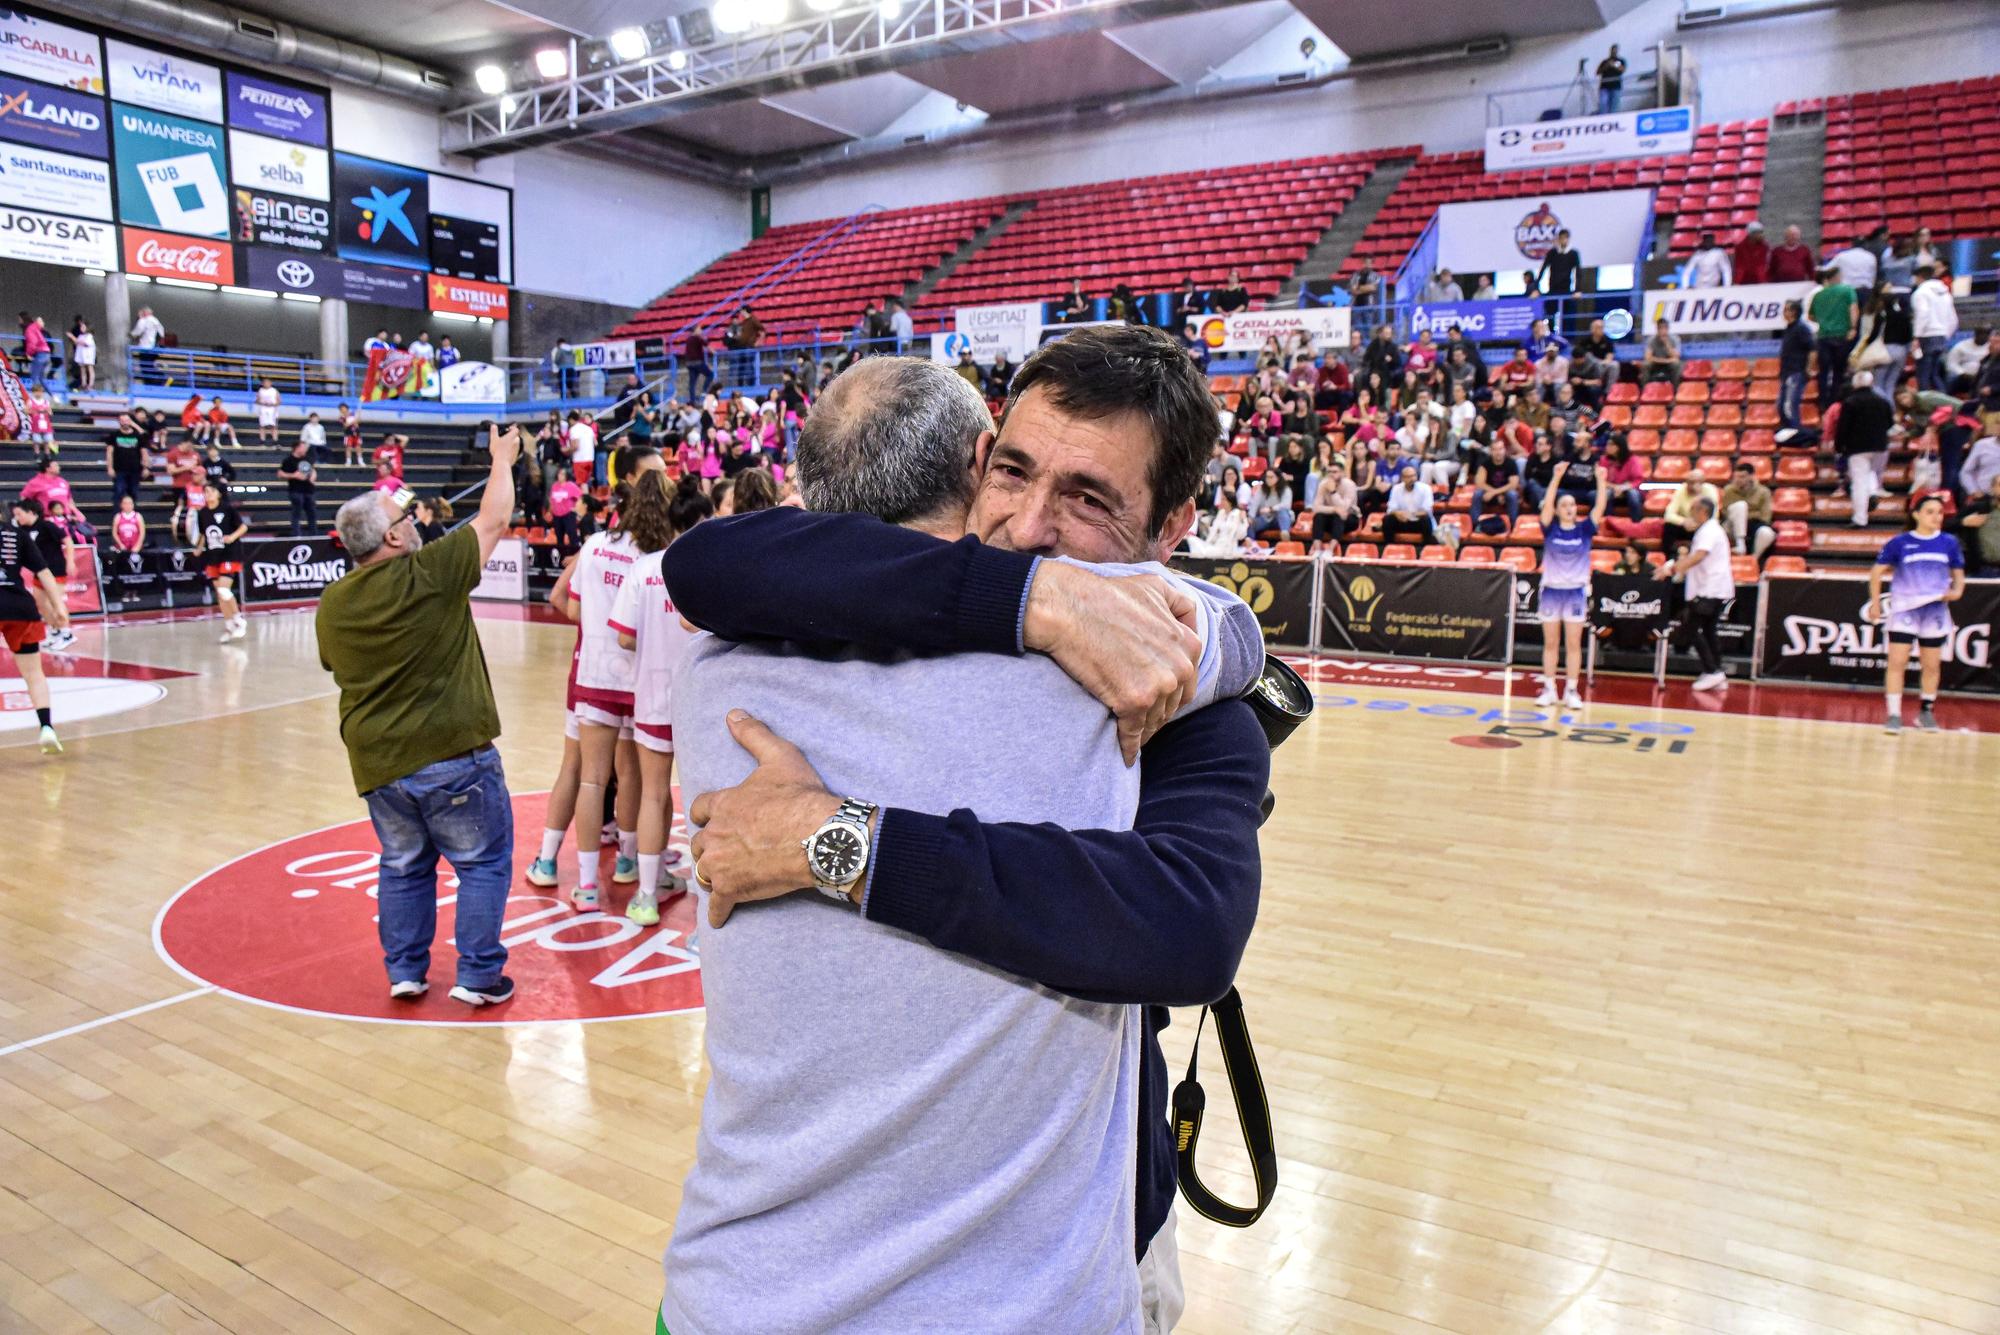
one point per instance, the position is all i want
(123, 485)
(1791, 397)
(701, 375)
(1513, 500)
(38, 370)
(1607, 98)
(1930, 362)
(459, 809)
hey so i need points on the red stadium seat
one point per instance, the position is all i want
(1289, 549)
(1697, 369)
(1360, 551)
(1692, 391)
(1679, 441)
(1521, 558)
(1650, 414)
(1785, 565)
(1713, 468)
(1618, 414)
(1622, 392)
(1743, 569)
(1670, 468)
(1794, 535)
(1399, 551)
(1528, 528)
(1725, 414)
(1791, 502)
(1687, 414)
(1643, 442)
(1603, 559)
(1476, 555)
(1434, 552)
(1657, 391)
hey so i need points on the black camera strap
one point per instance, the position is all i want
(1253, 1112)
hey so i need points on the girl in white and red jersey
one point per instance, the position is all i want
(601, 693)
(647, 623)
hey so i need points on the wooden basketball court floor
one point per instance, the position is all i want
(1579, 1036)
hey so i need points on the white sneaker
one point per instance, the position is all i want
(59, 640)
(1710, 681)
(228, 632)
(584, 898)
(238, 628)
(408, 989)
(1548, 695)
(51, 745)
(1572, 699)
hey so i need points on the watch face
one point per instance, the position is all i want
(836, 855)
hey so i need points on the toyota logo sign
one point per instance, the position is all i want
(300, 554)
(296, 273)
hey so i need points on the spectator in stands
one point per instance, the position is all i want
(1431, 441)
(1517, 374)
(1836, 312)
(1407, 515)
(1366, 286)
(301, 485)
(125, 458)
(700, 371)
(562, 365)
(219, 424)
(1188, 303)
(1123, 305)
(35, 347)
(386, 479)
(1624, 478)
(1857, 265)
(1232, 295)
(1899, 265)
(447, 355)
(1552, 370)
(1882, 337)
(1333, 384)
(392, 449)
(1793, 261)
(1483, 291)
(1442, 288)
(313, 433)
(1663, 355)
(217, 471)
(1496, 486)
(83, 355)
(1384, 358)
(1679, 522)
(1539, 473)
(1232, 486)
(1541, 337)
(1709, 587)
(1795, 359)
(1963, 359)
(267, 412)
(1708, 266)
(1934, 321)
(1270, 504)
(147, 331)
(421, 350)
(1336, 509)
(1591, 372)
(1752, 261)
(1296, 467)
(1422, 357)
(1560, 268)
(1461, 368)
(1746, 513)
(1564, 406)
(901, 327)
(582, 441)
(968, 369)
(1073, 305)
(40, 423)
(747, 334)
(1861, 439)
(183, 468)
(1610, 82)
(1223, 532)
(1265, 424)
(1978, 531)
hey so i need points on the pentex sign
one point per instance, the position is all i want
(1723, 310)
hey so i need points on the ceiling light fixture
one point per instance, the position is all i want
(552, 62)
(629, 43)
(731, 17)
(677, 60)
(769, 13)
(890, 8)
(492, 80)
(507, 105)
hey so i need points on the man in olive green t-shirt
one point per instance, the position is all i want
(1835, 310)
(418, 719)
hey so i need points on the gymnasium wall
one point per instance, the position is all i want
(1744, 70)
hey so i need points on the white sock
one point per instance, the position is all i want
(586, 869)
(649, 873)
(1895, 699)
(628, 844)
(552, 841)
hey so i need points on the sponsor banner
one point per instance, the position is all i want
(382, 212)
(985, 346)
(1629, 610)
(1605, 227)
(1279, 592)
(1416, 610)
(467, 296)
(1722, 310)
(472, 382)
(464, 248)
(53, 118)
(284, 272)
(83, 589)
(149, 78)
(36, 178)
(276, 220)
(73, 242)
(1015, 329)
(135, 580)
(505, 578)
(1625, 134)
(1813, 631)
(282, 110)
(544, 568)
(169, 173)
(158, 255)
(280, 568)
(50, 52)
(482, 207)
(382, 286)
(1242, 331)
(1482, 321)
(263, 163)
(604, 352)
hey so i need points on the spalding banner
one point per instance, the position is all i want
(1279, 592)
(280, 568)
(1813, 631)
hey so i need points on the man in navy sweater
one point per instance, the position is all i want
(1084, 466)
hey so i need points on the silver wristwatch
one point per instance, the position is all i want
(837, 852)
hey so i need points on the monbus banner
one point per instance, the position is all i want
(1417, 610)
(1811, 629)
(1279, 592)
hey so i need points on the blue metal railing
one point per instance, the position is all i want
(747, 294)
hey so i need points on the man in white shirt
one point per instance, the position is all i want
(313, 436)
(1708, 266)
(147, 331)
(583, 451)
(1976, 475)
(1963, 359)
(1933, 321)
(1856, 266)
(421, 349)
(901, 325)
(1710, 586)
(1409, 510)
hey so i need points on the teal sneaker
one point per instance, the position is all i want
(626, 871)
(542, 871)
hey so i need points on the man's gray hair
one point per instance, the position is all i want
(1705, 505)
(892, 437)
(362, 524)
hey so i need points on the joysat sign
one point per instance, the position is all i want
(158, 255)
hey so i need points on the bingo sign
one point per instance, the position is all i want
(292, 925)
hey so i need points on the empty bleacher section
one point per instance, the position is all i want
(876, 257)
(1927, 156)
(1716, 187)
(1154, 231)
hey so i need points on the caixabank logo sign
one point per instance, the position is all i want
(292, 926)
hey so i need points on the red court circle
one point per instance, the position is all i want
(292, 925)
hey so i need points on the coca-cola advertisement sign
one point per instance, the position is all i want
(163, 255)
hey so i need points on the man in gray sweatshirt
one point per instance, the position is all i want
(959, 1155)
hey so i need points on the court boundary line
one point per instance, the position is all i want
(204, 985)
(205, 990)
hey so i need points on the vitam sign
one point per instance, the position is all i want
(159, 255)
